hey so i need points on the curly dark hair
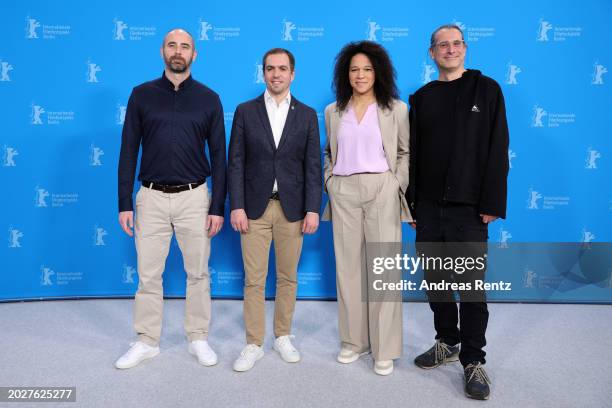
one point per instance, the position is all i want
(385, 88)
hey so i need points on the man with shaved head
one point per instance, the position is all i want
(172, 118)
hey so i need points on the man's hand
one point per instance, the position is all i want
(239, 220)
(487, 219)
(126, 220)
(213, 225)
(310, 223)
(413, 224)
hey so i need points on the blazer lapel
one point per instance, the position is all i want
(289, 122)
(385, 122)
(334, 124)
(265, 122)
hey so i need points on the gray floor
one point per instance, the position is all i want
(539, 356)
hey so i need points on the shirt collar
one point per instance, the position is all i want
(168, 84)
(269, 99)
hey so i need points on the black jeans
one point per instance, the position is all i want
(453, 224)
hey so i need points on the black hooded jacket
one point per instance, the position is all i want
(478, 167)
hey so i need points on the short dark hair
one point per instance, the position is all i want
(385, 88)
(432, 40)
(279, 51)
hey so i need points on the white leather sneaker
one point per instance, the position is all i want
(383, 367)
(346, 356)
(286, 350)
(201, 349)
(137, 353)
(249, 355)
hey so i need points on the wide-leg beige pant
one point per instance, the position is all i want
(365, 208)
(157, 216)
(288, 238)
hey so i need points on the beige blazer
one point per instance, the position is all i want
(395, 130)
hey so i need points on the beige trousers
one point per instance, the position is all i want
(365, 209)
(288, 237)
(158, 215)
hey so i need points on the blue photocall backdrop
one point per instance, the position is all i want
(67, 70)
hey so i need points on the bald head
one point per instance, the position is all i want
(178, 34)
(178, 51)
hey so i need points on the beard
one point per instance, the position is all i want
(177, 65)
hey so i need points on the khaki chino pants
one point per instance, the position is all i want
(158, 216)
(288, 238)
(365, 209)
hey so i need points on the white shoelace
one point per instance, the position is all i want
(285, 341)
(478, 373)
(249, 349)
(134, 346)
(441, 350)
(203, 346)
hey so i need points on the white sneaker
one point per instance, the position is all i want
(248, 357)
(137, 353)
(201, 349)
(383, 367)
(286, 350)
(346, 356)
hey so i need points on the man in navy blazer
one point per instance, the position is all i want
(274, 177)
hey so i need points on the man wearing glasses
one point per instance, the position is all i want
(458, 177)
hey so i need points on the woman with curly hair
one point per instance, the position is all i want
(366, 175)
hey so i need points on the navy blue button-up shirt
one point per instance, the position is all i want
(173, 128)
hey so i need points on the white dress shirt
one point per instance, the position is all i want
(277, 115)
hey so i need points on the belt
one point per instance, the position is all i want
(171, 188)
(275, 196)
